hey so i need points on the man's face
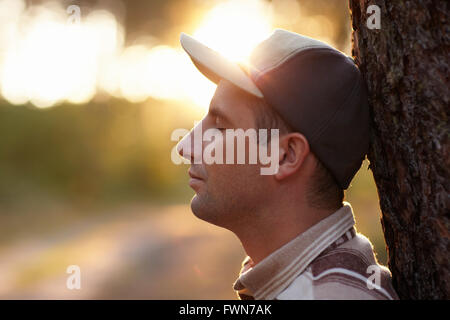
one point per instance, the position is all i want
(226, 194)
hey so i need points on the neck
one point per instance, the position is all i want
(276, 227)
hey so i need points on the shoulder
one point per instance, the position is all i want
(349, 271)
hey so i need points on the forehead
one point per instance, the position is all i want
(233, 102)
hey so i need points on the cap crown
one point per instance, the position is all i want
(319, 92)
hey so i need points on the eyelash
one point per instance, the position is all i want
(217, 126)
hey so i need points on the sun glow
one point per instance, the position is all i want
(49, 60)
(233, 28)
(45, 60)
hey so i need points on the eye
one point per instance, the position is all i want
(218, 124)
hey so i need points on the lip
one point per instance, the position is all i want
(193, 175)
(195, 180)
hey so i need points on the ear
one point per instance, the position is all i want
(294, 148)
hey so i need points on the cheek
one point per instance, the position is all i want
(233, 175)
(234, 178)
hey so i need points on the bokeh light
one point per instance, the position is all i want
(49, 59)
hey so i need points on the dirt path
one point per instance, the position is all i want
(138, 254)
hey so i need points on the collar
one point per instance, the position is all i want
(274, 273)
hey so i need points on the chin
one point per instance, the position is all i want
(204, 210)
(198, 208)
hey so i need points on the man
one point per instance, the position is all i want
(298, 233)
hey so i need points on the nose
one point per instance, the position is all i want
(190, 147)
(184, 147)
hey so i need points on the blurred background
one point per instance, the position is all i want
(90, 92)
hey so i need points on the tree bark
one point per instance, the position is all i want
(405, 64)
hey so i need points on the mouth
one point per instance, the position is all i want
(194, 175)
(195, 180)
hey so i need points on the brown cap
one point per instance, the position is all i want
(315, 88)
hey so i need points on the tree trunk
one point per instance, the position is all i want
(405, 64)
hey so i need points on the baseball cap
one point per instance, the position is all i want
(315, 88)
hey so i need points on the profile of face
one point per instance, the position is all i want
(226, 194)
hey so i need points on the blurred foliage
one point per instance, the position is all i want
(363, 197)
(110, 151)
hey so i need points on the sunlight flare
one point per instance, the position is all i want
(234, 28)
(47, 60)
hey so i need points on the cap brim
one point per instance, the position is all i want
(216, 67)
